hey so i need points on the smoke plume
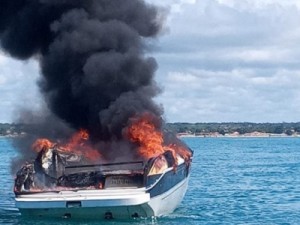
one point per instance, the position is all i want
(95, 74)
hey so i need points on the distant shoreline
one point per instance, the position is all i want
(239, 136)
(262, 135)
(244, 129)
(235, 129)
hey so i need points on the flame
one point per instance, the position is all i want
(180, 150)
(143, 132)
(78, 139)
(76, 144)
(42, 143)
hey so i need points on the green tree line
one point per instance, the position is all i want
(241, 128)
(195, 128)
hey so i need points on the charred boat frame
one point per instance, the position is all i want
(133, 190)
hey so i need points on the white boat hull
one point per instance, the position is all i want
(111, 203)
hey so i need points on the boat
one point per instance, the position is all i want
(55, 185)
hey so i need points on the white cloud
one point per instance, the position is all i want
(239, 95)
(3, 59)
(17, 86)
(254, 4)
(222, 60)
(232, 61)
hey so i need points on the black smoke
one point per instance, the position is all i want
(95, 74)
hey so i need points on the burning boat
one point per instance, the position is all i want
(96, 75)
(65, 183)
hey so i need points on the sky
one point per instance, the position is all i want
(219, 61)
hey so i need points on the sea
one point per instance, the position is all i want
(233, 181)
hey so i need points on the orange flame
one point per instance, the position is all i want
(150, 140)
(41, 143)
(143, 132)
(76, 144)
(182, 151)
(77, 140)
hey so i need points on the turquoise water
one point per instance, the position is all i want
(233, 181)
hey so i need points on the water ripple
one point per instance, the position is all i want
(233, 181)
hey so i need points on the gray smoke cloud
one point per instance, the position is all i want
(95, 74)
